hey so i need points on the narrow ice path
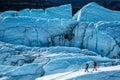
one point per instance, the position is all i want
(72, 74)
(51, 77)
(81, 72)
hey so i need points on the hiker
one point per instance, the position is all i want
(86, 67)
(95, 65)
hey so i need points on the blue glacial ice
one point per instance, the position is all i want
(9, 14)
(62, 12)
(24, 12)
(57, 32)
(95, 13)
(34, 42)
(18, 62)
(38, 13)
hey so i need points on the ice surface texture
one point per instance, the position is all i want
(101, 37)
(61, 12)
(95, 13)
(83, 31)
(40, 32)
(21, 62)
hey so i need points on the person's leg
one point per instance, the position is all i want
(95, 68)
(87, 70)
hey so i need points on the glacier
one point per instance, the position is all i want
(37, 13)
(57, 32)
(60, 12)
(95, 13)
(9, 13)
(24, 12)
(26, 63)
(36, 43)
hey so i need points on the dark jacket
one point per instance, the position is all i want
(87, 65)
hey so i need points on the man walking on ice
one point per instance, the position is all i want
(86, 67)
(94, 67)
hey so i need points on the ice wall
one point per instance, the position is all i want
(60, 12)
(38, 13)
(32, 31)
(9, 14)
(24, 12)
(101, 37)
(95, 13)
